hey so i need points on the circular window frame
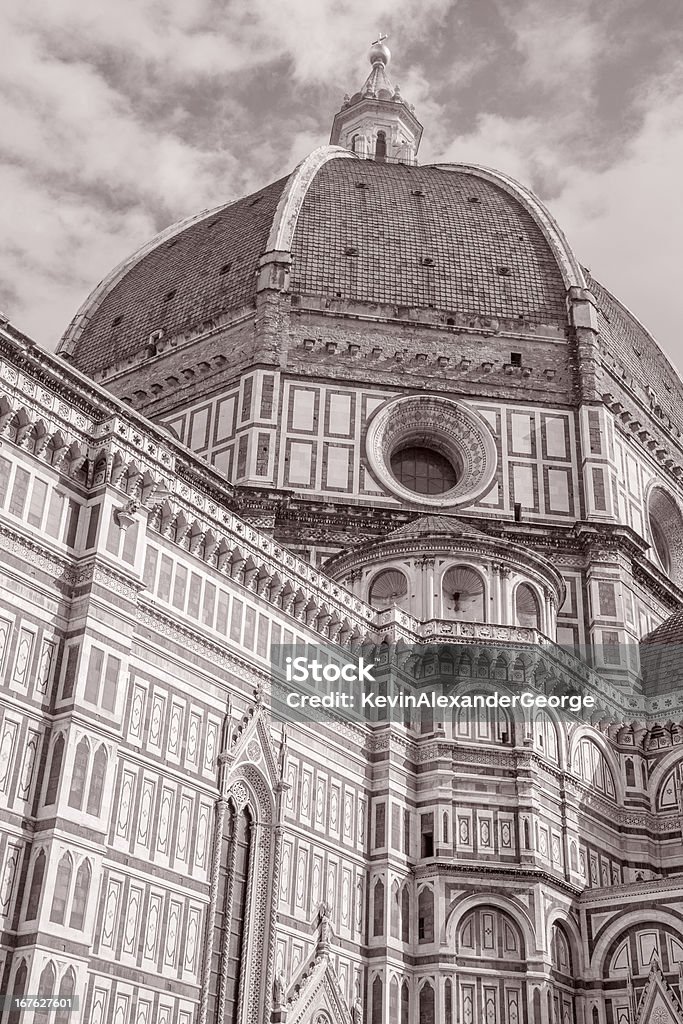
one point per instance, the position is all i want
(451, 428)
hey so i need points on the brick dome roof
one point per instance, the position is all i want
(455, 239)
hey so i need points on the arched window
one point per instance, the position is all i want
(36, 889)
(393, 999)
(79, 904)
(55, 771)
(527, 607)
(630, 772)
(46, 987)
(377, 994)
(405, 1003)
(395, 910)
(61, 890)
(381, 147)
(405, 914)
(241, 845)
(99, 769)
(427, 1004)
(425, 915)
(561, 952)
(389, 588)
(448, 1000)
(67, 988)
(378, 909)
(18, 989)
(590, 764)
(233, 896)
(80, 772)
(463, 595)
(490, 945)
(545, 736)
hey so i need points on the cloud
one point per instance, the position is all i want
(120, 118)
(623, 218)
(626, 221)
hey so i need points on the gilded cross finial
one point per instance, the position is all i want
(380, 39)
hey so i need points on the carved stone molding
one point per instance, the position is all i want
(453, 429)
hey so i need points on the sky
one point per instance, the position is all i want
(117, 119)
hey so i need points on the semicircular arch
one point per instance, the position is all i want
(462, 906)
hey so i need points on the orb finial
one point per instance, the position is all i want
(379, 53)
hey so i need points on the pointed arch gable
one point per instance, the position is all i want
(256, 727)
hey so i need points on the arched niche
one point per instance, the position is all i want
(463, 591)
(528, 607)
(388, 588)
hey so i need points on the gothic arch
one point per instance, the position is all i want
(464, 904)
(245, 842)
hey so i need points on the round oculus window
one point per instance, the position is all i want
(423, 470)
(431, 452)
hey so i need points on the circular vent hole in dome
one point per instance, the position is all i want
(225, 268)
(362, 184)
(350, 250)
(473, 199)
(117, 320)
(423, 470)
(170, 295)
(255, 200)
(427, 261)
(417, 192)
(504, 271)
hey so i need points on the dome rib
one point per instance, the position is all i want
(292, 199)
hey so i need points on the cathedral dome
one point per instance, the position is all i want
(455, 240)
